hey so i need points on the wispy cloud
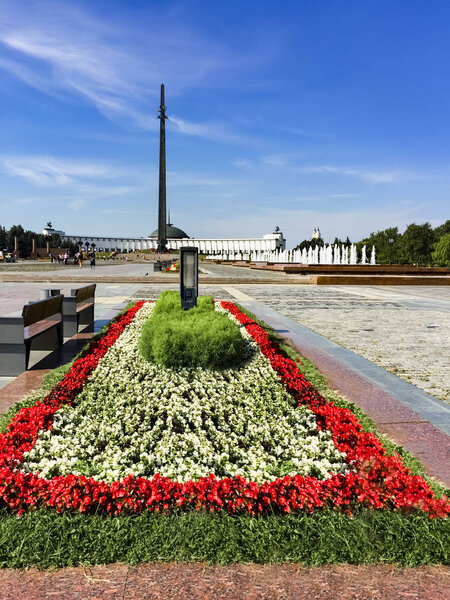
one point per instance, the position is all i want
(179, 178)
(117, 211)
(62, 50)
(284, 159)
(49, 171)
(242, 163)
(301, 199)
(364, 173)
(307, 135)
(76, 204)
(292, 162)
(213, 131)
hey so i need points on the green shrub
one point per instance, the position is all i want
(205, 303)
(168, 301)
(199, 337)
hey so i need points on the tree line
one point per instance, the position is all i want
(417, 245)
(25, 241)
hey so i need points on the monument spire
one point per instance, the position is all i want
(162, 234)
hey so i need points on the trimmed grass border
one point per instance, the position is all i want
(45, 539)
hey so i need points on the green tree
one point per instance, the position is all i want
(307, 243)
(3, 238)
(417, 244)
(26, 243)
(55, 241)
(442, 230)
(15, 231)
(441, 254)
(387, 245)
(72, 248)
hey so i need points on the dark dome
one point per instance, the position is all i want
(172, 233)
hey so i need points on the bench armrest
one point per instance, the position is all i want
(11, 330)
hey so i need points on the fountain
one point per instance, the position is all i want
(337, 255)
(363, 256)
(304, 258)
(326, 255)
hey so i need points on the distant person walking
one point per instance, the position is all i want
(66, 258)
(92, 255)
(79, 259)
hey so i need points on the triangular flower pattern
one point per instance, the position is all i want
(373, 481)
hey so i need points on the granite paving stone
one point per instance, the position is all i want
(196, 581)
(404, 330)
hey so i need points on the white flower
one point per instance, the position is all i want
(136, 417)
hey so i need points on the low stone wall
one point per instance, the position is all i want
(379, 280)
(348, 269)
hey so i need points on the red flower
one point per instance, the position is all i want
(374, 480)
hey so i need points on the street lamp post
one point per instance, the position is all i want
(188, 276)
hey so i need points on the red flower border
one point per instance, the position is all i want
(375, 480)
(174, 264)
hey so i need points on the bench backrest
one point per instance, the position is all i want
(84, 293)
(42, 309)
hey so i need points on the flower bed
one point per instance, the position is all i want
(174, 267)
(354, 473)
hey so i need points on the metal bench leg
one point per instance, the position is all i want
(27, 354)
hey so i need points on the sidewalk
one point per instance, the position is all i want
(234, 582)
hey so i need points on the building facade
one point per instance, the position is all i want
(267, 243)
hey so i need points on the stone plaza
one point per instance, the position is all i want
(404, 329)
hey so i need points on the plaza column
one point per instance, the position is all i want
(162, 232)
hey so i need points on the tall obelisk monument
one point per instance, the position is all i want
(162, 234)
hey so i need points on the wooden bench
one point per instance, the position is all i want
(39, 326)
(78, 309)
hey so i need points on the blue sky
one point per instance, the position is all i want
(299, 114)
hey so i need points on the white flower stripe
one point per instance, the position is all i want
(135, 417)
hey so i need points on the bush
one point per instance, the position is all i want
(199, 337)
(168, 301)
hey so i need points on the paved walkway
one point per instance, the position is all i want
(236, 582)
(406, 413)
(405, 330)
